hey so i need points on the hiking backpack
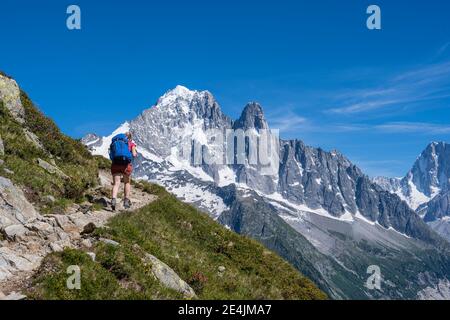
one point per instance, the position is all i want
(119, 151)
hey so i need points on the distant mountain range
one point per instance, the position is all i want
(317, 210)
(426, 187)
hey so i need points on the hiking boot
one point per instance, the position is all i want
(127, 203)
(113, 204)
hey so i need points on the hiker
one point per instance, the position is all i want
(121, 152)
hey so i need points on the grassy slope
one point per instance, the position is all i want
(189, 242)
(21, 157)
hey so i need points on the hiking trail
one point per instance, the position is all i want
(27, 244)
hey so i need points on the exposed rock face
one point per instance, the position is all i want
(177, 117)
(252, 118)
(431, 172)
(14, 207)
(429, 176)
(438, 207)
(10, 95)
(426, 187)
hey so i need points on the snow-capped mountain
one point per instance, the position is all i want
(429, 176)
(317, 209)
(426, 186)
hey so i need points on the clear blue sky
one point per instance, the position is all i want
(377, 96)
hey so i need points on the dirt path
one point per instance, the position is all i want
(21, 256)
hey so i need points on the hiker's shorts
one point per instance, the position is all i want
(121, 169)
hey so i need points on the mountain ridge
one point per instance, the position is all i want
(312, 189)
(426, 186)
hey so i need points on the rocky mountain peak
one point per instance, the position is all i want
(252, 117)
(431, 171)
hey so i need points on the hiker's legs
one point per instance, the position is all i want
(115, 189)
(127, 186)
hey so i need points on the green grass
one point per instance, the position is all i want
(21, 157)
(111, 278)
(189, 242)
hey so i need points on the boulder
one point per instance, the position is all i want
(14, 231)
(168, 277)
(51, 168)
(10, 95)
(14, 207)
(49, 199)
(41, 228)
(33, 139)
(109, 241)
(11, 261)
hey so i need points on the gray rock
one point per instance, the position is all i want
(51, 168)
(92, 255)
(10, 260)
(2, 147)
(2, 162)
(14, 207)
(10, 95)
(31, 137)
(41, 228)
(63, 222)
(8, 171)
(14, 231)
(49, 199)
(221, 269)
(14, 296)
(168, 277)
(110, 242)
(56, 247)
(86, 243)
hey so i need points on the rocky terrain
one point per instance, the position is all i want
(30, 236)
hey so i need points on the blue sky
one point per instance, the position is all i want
(321, 76)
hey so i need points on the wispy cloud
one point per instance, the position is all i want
(288, 122)
(419, 85)
(413, 127)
